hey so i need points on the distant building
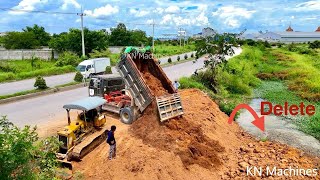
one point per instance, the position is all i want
(288, 36)
(206, 32)
(3, 33)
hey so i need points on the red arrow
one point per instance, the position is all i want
(258, 121)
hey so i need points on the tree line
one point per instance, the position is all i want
(36, 37)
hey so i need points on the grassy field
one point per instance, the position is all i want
(277, 74)
(168, 50)
(22, 69)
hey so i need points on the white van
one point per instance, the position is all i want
(91, 67)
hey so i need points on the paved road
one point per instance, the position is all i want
(46, 109)
(52, 81)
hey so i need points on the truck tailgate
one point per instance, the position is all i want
(169, 106)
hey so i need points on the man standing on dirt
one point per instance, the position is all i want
(176, 85)
(112, 142)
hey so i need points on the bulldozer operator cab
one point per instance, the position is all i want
(104, 84)
(88, 119)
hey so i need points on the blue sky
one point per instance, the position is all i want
(169, 15)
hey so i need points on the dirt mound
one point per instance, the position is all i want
(180, 136)
(201, 145)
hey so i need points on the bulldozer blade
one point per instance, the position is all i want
(169, 106)
(88, 144)
(65, 163)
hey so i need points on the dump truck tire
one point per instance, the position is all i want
(126, 115)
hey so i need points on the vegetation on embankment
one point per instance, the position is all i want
(169, 50)
(293, 77)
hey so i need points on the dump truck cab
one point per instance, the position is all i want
(104, 84)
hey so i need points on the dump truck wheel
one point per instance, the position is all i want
(126, 115)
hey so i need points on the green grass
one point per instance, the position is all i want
(278, 93)
(114, 58)
(168, 50)
(276, 75)
(22, 69)
(20, 93)
(67, 84)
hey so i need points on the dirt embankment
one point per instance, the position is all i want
(199, 145)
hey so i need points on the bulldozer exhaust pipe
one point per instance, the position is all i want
(68, 112)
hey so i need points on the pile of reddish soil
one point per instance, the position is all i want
(154, 84)
(200, 145)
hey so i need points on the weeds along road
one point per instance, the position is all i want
(47, 109)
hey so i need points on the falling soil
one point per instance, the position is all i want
(154, 84)
(200, 145)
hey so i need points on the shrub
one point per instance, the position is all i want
(98, 54)
(314, 45)
(23, 156)
(68, 58)
(108, 70)
(78, 77)
(178, 58)
(40, 83)
(186, 56)
(267, 44)
(169, 60)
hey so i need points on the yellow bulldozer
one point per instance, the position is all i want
(84, 133)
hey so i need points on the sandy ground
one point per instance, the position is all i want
(200, 145)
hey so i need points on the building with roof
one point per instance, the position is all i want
(288, 36)
(206, 32)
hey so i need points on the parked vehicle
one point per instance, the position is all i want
(91, 67)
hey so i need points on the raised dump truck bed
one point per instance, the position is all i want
(131, 67)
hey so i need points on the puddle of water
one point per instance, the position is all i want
(280, 129)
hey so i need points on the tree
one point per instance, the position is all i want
(71, 41)
(121, 36)
(217, 48)
(103, 53)
(40, 34)
(20, 40)
(68, 58)
(22, 156)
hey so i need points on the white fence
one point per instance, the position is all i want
(20, 54)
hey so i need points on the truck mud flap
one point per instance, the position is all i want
(169, 106)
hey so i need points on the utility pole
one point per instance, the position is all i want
(153, 36)
(180, 30)
(82, 33)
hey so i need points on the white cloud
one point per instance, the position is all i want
(308, 6)
(158, 10)
(106, 10)
(139, 13)
(27, 5)
(172, 9)
(149, 21)
(171, 19)
(232, 16)
(73, 3)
